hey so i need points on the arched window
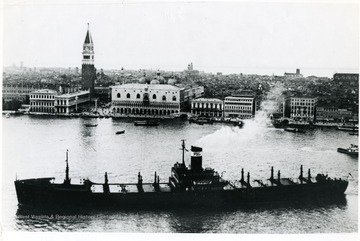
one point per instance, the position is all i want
(138, 96)
(154, 97)
(174, 98)
(128, 95)
(164, 97)
(118, 95)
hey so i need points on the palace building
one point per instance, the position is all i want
(147, 99)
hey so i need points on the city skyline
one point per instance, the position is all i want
(236, 37)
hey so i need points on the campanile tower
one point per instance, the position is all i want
(88, 73)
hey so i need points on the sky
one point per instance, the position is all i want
(231, 37)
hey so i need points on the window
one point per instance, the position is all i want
(138, 96)
(86, 57)
(118, 95)
(174, 98)
(128, 95)
(154, 97)
(164, 97)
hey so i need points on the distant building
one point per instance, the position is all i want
(48, 101)
(190, 71)
(88, 71)
(294, 75)
(328, 113)
(70, 102)
(302, 108)
(43, 101)
(193, 92)
(347, 81)
(240, 105)
(209, 107)
(103, 93)
(17, 92)
(147, 99)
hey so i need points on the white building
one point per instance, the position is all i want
(147, 99)
(43, 101)
(207, 107)
(302, 107)
(48, 101)
(68, 103)
(240, 105)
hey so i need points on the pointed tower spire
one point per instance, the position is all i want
(88, 73)
(88, 39)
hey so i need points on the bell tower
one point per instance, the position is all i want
(88, 73)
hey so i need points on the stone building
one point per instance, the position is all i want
(302, 108)
(147, 99)
(240, 105)
(209, 107)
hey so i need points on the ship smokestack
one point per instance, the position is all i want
(301, 174)
(272, 174)
(309, 174)
(196, 158)
(67, 179)
(242, 174)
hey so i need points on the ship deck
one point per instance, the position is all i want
(131, 188)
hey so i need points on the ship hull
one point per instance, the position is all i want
(346, 151)
(42, 193)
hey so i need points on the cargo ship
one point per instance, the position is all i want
(190, 185)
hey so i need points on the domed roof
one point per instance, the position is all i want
(171, 82)
(155, 82)
(161, 79)
(142, 80)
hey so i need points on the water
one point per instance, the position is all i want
(36, 146)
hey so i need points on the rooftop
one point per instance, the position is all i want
(67, 95)
(150, 87)
(208, 100)
(45, 91)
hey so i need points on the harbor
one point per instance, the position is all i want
(255, 147)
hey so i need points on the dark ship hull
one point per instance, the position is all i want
(43, 194)
(186, 187)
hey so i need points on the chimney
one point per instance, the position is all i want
(196, 158)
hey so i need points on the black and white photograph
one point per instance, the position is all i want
(180, 120)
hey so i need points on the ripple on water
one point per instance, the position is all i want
(93, 151)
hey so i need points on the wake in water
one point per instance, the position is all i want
(253, 130)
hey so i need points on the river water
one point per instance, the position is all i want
(35, 146)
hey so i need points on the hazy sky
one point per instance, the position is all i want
(234, 37)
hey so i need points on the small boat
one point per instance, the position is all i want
(201, 120)
(7, 115)
(347, 128)
(295, 130)
(120, 132)
(239, 124)
(146, 123)
(353, 150)
(91, 125)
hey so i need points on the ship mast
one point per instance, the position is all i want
(183, 152)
